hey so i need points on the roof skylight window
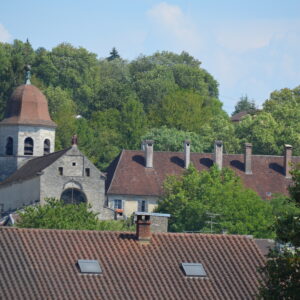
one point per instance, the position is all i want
(193, 270)
(89, 266)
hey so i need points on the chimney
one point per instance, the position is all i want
(148, 144)
(287, 160)
(248, 158)
(187, 153)
(218, 154)
(143, 227)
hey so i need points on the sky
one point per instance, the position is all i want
(251, 47)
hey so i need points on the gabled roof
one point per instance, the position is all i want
(34, 166)
(41, 264)
(130, 177)
(239, 116)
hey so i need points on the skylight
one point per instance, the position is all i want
(89, 266)
(193, 270)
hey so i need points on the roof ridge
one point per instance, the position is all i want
(112, 179)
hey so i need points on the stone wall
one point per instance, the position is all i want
(17, 195)
(74, 175)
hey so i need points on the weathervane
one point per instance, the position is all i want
(28, 74)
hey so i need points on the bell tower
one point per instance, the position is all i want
(27, 130)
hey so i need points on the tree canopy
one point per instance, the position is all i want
(192, 198)
(282, 270)
(57, 215)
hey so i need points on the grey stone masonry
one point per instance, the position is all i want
(218, 154)
(288, 160)
(248, 158)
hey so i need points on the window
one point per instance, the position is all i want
(28, 146)
(143, 206)
(117, 204)
(89, 266)
(46, 147)
(61, 171)
(9, 146)
(193, 270)
(73, 163)
(87, 172)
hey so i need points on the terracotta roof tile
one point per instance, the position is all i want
(41, 264)
(129, 175)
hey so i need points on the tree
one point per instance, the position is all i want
(282, 270)
(245, 104)
(191, 197)
(113, 54)
(56, 215)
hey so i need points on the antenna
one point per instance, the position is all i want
(211, 216)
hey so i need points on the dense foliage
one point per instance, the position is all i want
(56, 215)
(282, 270)
(192, 198)
(113, 104)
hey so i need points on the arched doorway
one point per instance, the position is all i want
(73, 196)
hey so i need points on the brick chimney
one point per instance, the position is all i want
(187, 153)
(287, 160)
(218, 154)
(148, 144)
(248, 158)
(143, 227)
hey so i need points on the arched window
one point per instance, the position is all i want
(9, 146)
(28, 146)
(73, 196)
(46, 146)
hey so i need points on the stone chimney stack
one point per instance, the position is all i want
(218, 154)
(143, 227)
(287, 160)
(248, 158)
(187, 153)
(148, 144)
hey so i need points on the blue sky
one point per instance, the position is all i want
(250, 47)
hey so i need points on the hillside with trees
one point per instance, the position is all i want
(113, 104)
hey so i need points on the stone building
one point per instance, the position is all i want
(31, 171)
(135, 178)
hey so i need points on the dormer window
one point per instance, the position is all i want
(9, 149)
(28, 146)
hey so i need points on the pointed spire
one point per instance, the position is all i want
(28, 74)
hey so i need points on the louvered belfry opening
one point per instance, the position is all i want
(46, 147)
(28, 146)
(9, 146)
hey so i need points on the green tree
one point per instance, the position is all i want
(190, 197)
(245, 104)
(56, 215)
(113, 54)
(282, 270)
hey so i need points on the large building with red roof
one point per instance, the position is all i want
(135, 178)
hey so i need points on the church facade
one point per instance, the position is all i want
(30, 170)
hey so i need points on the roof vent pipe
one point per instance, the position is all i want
(288, 160)
(218, 154)
(187, 153)
(248, 158)
(148, 144)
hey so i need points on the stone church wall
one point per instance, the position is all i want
(74, 175)
(17, 195)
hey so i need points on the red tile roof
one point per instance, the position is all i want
(41, 264)
(128, 175)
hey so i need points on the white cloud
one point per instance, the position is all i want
(4, 34)
(175, 24)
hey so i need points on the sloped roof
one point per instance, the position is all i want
(41, 264)
(130, 177)
(239, 116)
(27, 106)
(34, 166)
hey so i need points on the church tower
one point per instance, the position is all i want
(27, 130)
